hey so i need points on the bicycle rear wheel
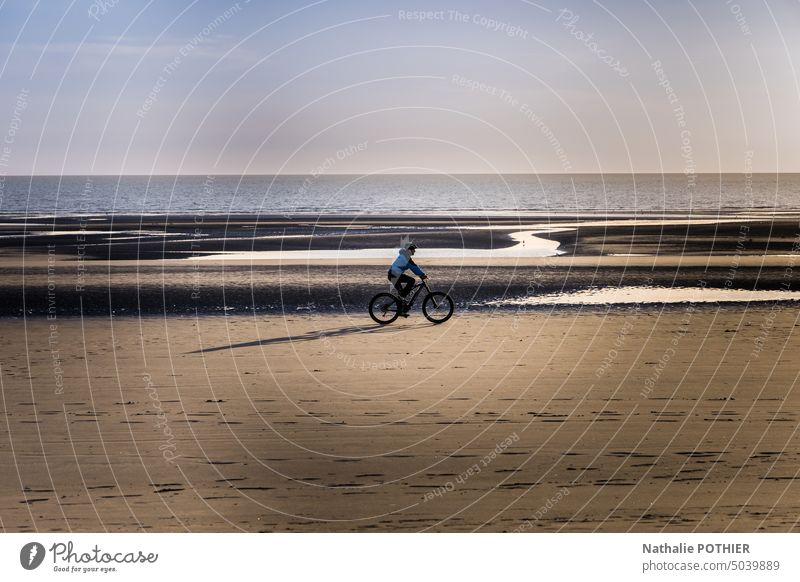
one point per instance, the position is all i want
(384, 308)
(438, 307)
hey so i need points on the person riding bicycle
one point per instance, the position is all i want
(402, 282)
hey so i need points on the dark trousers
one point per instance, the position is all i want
(403, 284)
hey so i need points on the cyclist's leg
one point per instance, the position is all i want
(404, 285)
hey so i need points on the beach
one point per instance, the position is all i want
(153, 265)
(605, 373)
(642, 420)
(365, 268)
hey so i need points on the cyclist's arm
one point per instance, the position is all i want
(415, 269)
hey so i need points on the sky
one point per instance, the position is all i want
(339, 86)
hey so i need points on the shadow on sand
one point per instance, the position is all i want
(314, 335)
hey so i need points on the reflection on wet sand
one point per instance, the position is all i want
(650, 295)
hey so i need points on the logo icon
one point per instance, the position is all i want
(31, 555)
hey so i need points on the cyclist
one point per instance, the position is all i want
(402, 282)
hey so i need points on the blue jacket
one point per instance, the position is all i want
(403, 262)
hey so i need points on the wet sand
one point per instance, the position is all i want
(157, 237)
(644, 420)
(130, 288)
(160, 265)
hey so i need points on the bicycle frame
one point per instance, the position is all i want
(415, 290)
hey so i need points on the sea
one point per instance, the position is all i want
(381, 194)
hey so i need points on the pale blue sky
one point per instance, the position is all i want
(293, 87)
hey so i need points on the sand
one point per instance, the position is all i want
(158, 265)
(134, 289)
(158, 237)
(637, 420)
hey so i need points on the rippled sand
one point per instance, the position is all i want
(678, 421)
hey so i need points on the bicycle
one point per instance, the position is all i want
(437, 306)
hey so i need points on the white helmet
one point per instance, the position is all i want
(407, 244)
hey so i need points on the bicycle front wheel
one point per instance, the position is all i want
(438, 307)
(384, 308)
